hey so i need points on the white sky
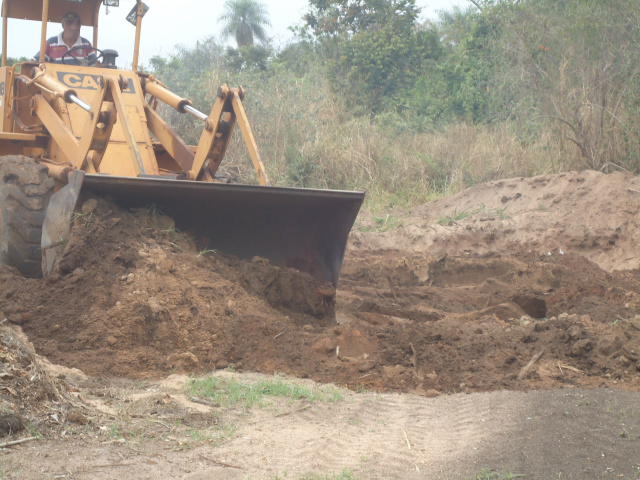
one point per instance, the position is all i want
(169, 23)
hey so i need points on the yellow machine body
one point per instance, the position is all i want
(97, 128)
(86, 82)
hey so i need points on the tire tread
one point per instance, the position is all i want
(25, 190)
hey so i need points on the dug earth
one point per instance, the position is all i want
(514, 285)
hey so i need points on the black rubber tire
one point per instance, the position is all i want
(25, 190)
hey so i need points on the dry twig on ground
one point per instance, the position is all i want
(527, 368)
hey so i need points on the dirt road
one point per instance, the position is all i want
(491, 331)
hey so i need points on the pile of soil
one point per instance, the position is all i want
(534, 286)
(133, 297)
(588, 213)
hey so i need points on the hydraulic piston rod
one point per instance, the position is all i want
(182, 105)
(80, 103)
(52, 85)
(196, 113)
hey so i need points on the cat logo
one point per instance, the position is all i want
(88, 82)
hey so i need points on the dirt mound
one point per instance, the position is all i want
(134, 297)
(491, 305)
(588, 213)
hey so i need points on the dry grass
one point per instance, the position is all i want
(306, 140)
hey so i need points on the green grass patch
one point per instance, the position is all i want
(382, 223)
(172, 232)
(32, 430)
(228, 392)
(344, 475)
(87, 218)
(386, 222)
(490, 474)
(497, 212)
(114, 431)
(456, 215)
(216, 436)
(153, 210)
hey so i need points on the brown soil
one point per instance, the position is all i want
(517, 285)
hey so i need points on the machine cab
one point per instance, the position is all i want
(53, 11)
(45, 11)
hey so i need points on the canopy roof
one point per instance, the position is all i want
(32, 9)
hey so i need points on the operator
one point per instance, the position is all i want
(69, 39)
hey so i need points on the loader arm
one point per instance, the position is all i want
(227, 110)
(106, 107)
(97, 130)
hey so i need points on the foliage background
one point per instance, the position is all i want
(368, 97)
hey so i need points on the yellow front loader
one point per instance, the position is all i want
(69, 128)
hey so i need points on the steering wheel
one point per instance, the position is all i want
(82, 61)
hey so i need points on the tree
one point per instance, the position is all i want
(247, 58)
(376, 48)
(245, 20)
(468, 37)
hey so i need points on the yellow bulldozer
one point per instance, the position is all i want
(69, 127)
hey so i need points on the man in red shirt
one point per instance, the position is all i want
(82, 53)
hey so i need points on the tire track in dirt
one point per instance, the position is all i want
(392, 435)
(446, 430)
(576, 433)
(450, 437)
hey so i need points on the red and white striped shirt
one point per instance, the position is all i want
(56, 48)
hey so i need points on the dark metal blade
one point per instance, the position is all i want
(57, 221)
(301, 228)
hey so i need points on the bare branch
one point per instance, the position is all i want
(477, 5)
(569, 124)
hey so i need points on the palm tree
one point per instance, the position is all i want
(244, 20)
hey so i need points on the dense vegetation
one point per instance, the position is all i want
(367, 96)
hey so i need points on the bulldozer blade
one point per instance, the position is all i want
(305, 229)
(57, 221)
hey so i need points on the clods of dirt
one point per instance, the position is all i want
(134, 297)
(483, 303)
(11, 423)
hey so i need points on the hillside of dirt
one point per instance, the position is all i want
(519, 284)
(585, 213)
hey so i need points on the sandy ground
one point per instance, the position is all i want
(493, 332)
